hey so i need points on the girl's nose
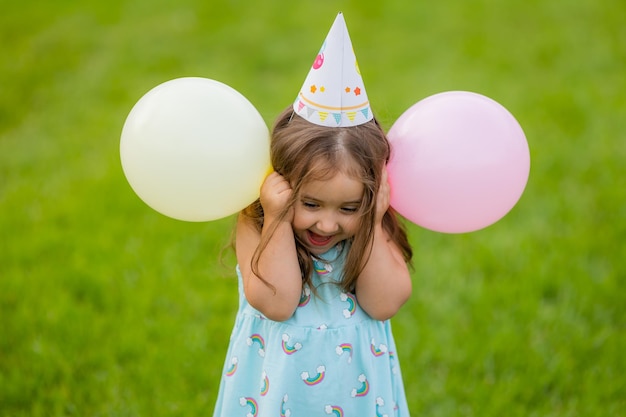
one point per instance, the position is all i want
(327, 225)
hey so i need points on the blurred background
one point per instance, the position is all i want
(108, 308)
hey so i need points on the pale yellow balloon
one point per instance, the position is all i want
(195, 149)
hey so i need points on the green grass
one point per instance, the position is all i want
(110, 309)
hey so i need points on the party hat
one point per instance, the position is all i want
(333, 93)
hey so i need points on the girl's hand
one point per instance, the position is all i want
(383, 197)
(275, 195)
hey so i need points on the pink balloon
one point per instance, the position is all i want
(459, 162)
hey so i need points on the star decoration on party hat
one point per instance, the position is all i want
(333, 93)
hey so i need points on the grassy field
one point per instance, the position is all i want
(108, 308)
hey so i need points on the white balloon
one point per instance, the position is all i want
(195, 149)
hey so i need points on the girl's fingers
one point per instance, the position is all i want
(275, 193)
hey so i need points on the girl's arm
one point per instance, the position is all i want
(278, 262)
(384, 285)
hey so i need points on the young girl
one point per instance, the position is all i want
(322, 267)
(322, 262)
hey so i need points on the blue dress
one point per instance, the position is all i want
(329, 359)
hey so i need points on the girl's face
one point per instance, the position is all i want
(327, 212)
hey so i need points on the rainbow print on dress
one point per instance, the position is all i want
(335, 410)
(379, 350)
(345, 348)
(258, 340)
(250, 402)
(233, 367)
(351, 308)
(315, 379)
(306, 297)
(363, 389)
(290, 349)
(284, 412)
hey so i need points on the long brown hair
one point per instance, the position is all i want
(301, 152)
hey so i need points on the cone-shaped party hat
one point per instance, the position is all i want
(333, 93)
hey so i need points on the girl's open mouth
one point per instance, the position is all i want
(318, 240)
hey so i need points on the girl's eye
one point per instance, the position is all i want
(349, 209)
(309, 204)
